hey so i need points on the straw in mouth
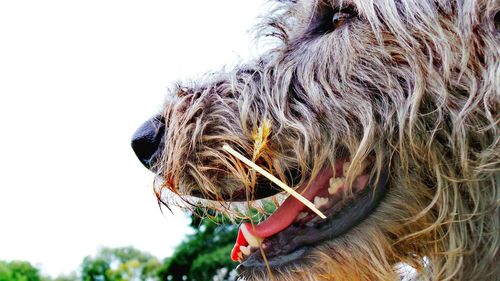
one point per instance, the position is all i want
(272, 178)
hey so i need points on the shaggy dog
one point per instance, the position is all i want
(382, 112)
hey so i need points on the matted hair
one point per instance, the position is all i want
(414, 84)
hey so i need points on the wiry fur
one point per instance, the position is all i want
(412, 83)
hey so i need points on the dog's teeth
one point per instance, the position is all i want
(301, 216)
(335, 184)
(320, 201)
(252, 240)
(245, 250)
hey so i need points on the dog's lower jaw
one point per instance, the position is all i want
(293, 244)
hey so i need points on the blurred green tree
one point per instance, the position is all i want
(204, 254)
(70, 277)
(5, 273)
(18, 271)
(120, 264)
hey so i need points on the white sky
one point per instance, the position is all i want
(76, 79)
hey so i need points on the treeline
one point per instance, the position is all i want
(203, 256)
(19, 271)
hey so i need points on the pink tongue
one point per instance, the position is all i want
(290, 209)
(284, 215)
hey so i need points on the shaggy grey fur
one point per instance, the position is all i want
(412, 84)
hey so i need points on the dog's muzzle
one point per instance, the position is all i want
(147, 141)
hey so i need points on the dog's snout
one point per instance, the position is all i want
(147, 141)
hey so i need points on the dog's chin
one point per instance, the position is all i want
(292, 232)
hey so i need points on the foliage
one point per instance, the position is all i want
(120, 264)
(205, 253)
(18, 271)
(71, 277)
(95, 269)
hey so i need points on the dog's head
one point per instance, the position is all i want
(383, 112)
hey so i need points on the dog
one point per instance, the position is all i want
(384, 113)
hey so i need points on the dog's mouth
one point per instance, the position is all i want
(292, 230)
(288, 235)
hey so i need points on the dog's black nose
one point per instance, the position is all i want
(147, 141)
